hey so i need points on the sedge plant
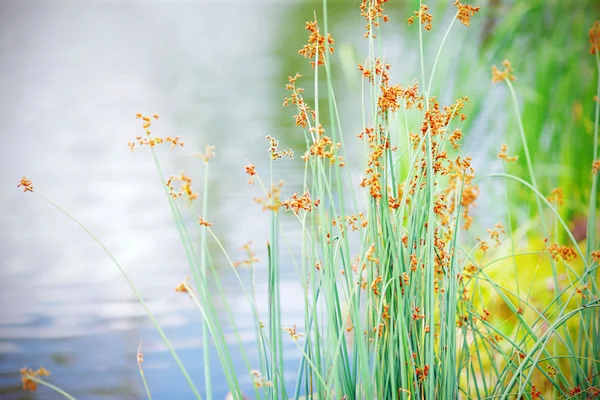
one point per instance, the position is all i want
(396, 304)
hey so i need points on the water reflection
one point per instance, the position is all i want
(74, 75)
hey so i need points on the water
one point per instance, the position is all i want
(73, 77)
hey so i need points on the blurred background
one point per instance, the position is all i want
(74, 74)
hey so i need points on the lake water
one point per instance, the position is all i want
(74, 74)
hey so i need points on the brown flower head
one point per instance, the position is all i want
(251, 172)
(560, 251)
(303, 202)
(465, 12)
(27, 184)
(594, 34)
(148, 139)
(503, 156)
(372, 10)
(183, 286)
(423, 16)
(185, 189)
(293, 333)
(317, 45)
(507, 73)
(28, 373)
(556, 196)
(203, 222)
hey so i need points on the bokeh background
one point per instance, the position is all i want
(75, 73)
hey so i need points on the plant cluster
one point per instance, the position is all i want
(396, 304)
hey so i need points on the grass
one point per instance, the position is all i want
(397, 304)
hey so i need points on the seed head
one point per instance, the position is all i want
(26, 183)
(594, 34)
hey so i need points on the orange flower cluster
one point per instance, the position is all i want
(272, 200)
(535, 393)
(251, 256)
(372, 10)
(375, 285)
(391, 95)
(594, 34)
(258, 380)
(317, 45)
(422, 372)
(424, 17)
(186, 187)
(203, 222)
(503, 156)
(556, 196)
(595, 166)
(595, 255)
(150, 140)
(303, 202)
(455, 137)
(483, 245)
(251, 172)
(27, 373)
(417, 315)
(507, 73)
(293, 333)
(183, 286)
(375, 69)
(26, 183)
(296, 98)
(377, 72)
(485, 315)
(275, 154)
(468, 271)
(351, 221)
(462, 174)
(581, 289)
(496, 232)
(437, 121)
(561, 251)
(323, 147)
(465, 12)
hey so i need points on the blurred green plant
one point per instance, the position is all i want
(546, 43)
